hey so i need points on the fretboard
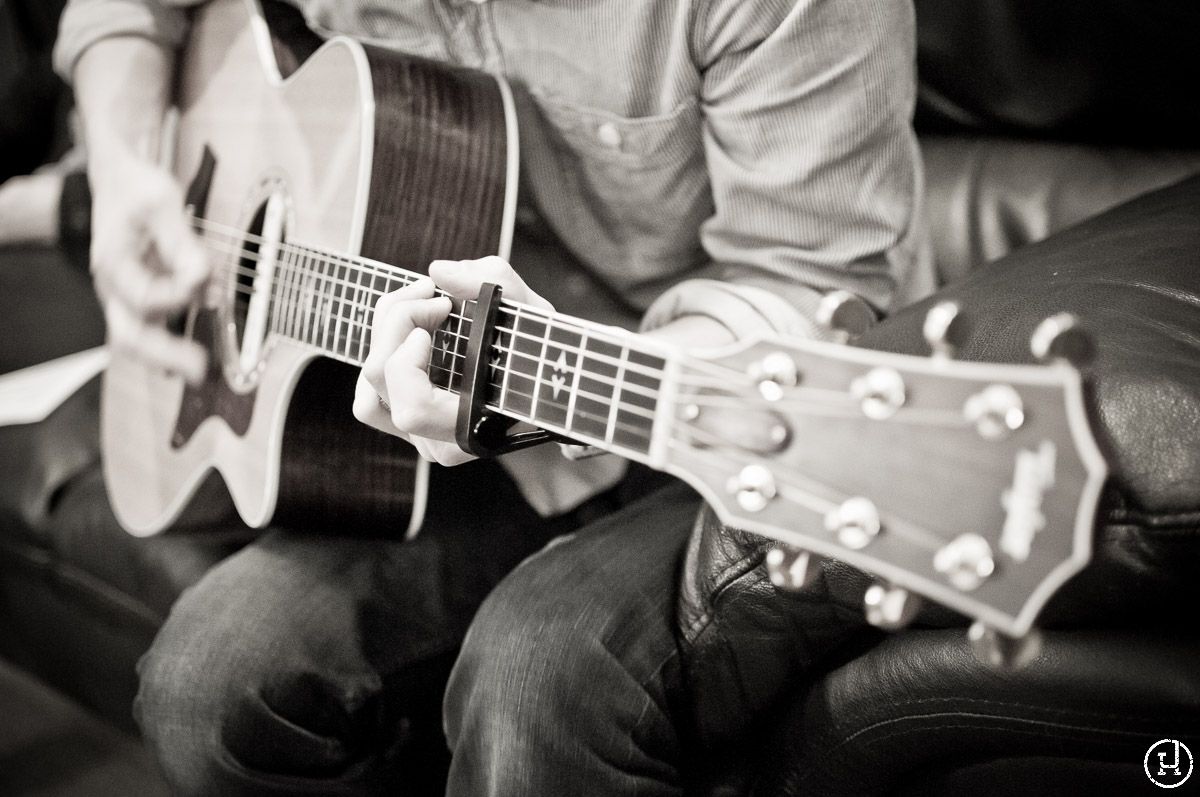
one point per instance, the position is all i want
(595, 384)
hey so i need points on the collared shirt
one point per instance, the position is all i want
(732, 158)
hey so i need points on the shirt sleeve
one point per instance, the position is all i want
(815, 171)
(85, 22)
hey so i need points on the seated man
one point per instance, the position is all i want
(715, 169)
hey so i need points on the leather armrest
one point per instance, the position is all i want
(921, 702)
(986, 197)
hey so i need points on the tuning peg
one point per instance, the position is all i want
(943, 329)
(792, 568)
(1061, 337)
(1001, 650)
(966, 561)
(842, 311)
(890, 607)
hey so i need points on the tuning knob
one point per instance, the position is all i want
(889, 607)
(943, 329)
(1001, 650)
(1061, 337)
(842, 311)
(966, 561)
(791, 568)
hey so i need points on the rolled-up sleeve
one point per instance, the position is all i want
(815, 171)
(85, 22)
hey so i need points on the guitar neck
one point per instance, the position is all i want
(596, 384)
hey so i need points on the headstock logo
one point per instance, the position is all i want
(1168, 763)
(1032, 477)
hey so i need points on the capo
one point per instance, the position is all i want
(478, 431)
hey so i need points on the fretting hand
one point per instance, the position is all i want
(394, 393)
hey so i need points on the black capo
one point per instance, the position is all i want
(478, 431)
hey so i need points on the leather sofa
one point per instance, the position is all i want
(1019, 147)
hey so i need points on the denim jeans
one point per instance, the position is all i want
(315, 663)
(568, 681)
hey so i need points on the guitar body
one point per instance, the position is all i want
(358, 151)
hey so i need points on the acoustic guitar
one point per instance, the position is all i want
(972, 484)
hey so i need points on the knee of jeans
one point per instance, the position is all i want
(243, 680)
(185, 683)
(532, 637)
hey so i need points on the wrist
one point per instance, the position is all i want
(121, 90)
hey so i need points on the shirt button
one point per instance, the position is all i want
(609, 135)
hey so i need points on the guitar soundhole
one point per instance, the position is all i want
(252, 312)
(247, 269)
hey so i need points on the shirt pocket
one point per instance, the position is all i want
(628, 193)
(633, 142)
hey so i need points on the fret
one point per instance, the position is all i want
(523, 365)
(360, 295)
(460, 351)
(289, 292)
(574, 389)
(317, 299)
(368, 309)
(290, 297)
(309, 298)
(541, 365)
(352, 306)
(339, 297)
(499, 370)
(276, 306)
(595, 389)
(298, 299)
(347, 311)
(634, 419)
(326, 302)
(558, 366)
(443, 362)
(616, 395)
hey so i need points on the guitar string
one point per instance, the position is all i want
(720, 378)
(909, 415)
(627, 388)
(721, 375)
(935, 417)
(619, 424)
(321, 280)
(389, 272)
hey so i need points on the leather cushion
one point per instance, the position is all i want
(920, 703)
(986, 197)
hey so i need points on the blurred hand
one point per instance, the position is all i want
(394, 393)
(147, 262)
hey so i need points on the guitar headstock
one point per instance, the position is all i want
(971, 484)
